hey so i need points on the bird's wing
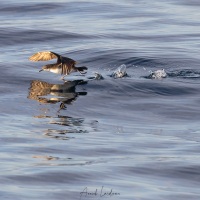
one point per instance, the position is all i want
(67, 66)
(43, 56)
(68, 61)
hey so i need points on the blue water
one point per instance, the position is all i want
(130, 138)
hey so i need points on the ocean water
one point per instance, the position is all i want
(130, 138)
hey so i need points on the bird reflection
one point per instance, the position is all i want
(62, 107)
(70, 125)
(64, 93)
(68, 121)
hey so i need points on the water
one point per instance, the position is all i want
(126, 138)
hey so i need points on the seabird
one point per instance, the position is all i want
(64, 65)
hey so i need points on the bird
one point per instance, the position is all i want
(63, 66)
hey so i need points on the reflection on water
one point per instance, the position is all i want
(47, 93)
(62, 134)
(68, 121)
(71, 125)
(63, 93)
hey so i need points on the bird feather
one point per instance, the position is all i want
(43, 56)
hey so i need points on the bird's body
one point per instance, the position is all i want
(63, 66)
(60, 68)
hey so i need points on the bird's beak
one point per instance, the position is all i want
(41, 70)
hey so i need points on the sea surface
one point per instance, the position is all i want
(129, 138)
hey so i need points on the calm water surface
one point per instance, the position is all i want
(131, 138)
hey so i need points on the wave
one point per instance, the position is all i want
(29, 7)
(16, 36)
(185, 73)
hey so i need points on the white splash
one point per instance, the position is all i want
(158, 74)
(98, 76)
(120, 72)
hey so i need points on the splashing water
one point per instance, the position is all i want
(98, 76)
(158, 74)
(120, 72)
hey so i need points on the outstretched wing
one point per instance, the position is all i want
(68, 60)
(68, 66)
(44, 56)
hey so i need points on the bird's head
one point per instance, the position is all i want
(45, 68)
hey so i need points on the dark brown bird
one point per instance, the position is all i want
(64, 65)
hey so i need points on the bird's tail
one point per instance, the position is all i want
(82, 69)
